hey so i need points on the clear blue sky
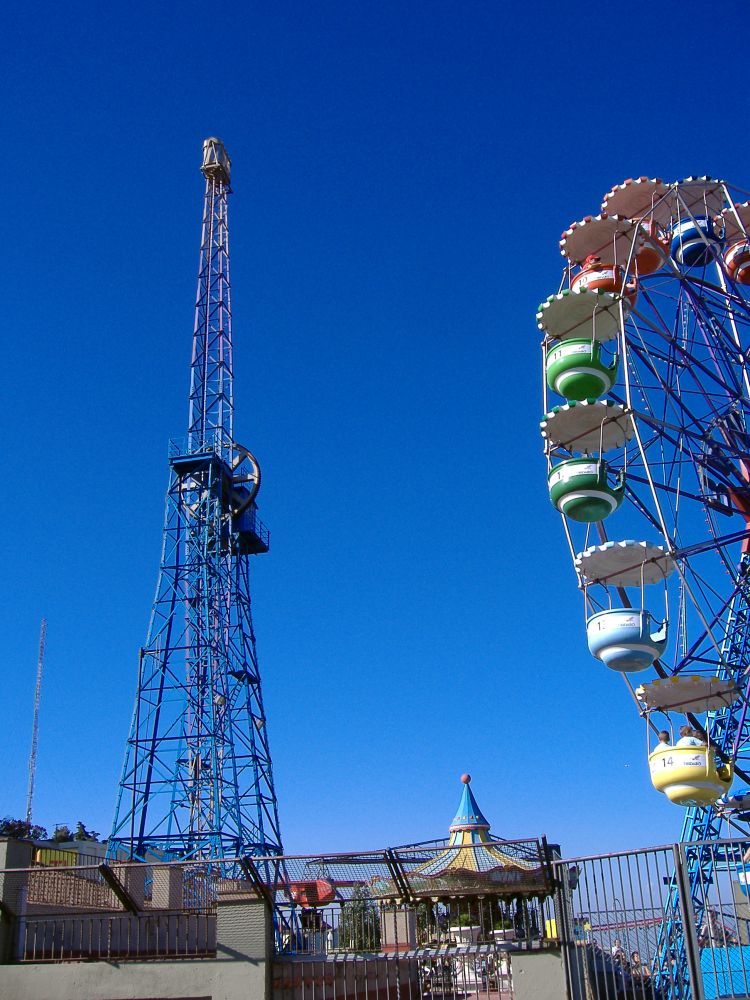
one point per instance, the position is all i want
(402, 173)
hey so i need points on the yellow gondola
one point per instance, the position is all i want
(689, 775)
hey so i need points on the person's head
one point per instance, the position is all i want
(664, 736)
(687, 731)
(618, 943)
(634, 956)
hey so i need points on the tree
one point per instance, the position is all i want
(83, 834)
(22, 830)
(359, 926)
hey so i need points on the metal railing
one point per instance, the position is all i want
(365, 925)
(64, 912)
(423, 920)
(71, 937)
(610, 911)
(720, 910)
(482, 975)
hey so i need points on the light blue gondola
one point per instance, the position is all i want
(626, 639)
(692, 240)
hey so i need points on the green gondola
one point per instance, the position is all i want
(580, 489)
(577, 369)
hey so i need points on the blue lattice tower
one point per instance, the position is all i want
(197, 780)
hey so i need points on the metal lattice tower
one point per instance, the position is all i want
(35, 726)
(197, 780)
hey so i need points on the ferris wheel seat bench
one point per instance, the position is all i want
(580, 489)
(689, 776)
(692, 240)
(626, 639)
(577, 369)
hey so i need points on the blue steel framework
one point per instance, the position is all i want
(197, 780)
(697, 360)
(685, 380)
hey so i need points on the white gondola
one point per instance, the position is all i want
(626, 639)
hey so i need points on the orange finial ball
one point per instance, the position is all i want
(466, 778)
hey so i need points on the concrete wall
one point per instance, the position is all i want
(200, 979)
(538, 975)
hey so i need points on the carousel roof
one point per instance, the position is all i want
(471, 855)
(469, 817)
(469, 862)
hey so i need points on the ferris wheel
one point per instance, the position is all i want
(647, 437)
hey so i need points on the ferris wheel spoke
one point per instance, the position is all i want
(693, 655)
(646, 360)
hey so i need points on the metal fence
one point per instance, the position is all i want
(363, 925)
(668, 922)
(611, 910)
(484, 974)
(63, 911)
(426, 895)
(665, 923)
(430, 920)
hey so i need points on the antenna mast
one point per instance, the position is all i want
(35, 729)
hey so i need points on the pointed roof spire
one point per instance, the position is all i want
(469, 817)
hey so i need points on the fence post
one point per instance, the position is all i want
(244, 926)
(690, 938)
(573, 952)
(13, 854)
